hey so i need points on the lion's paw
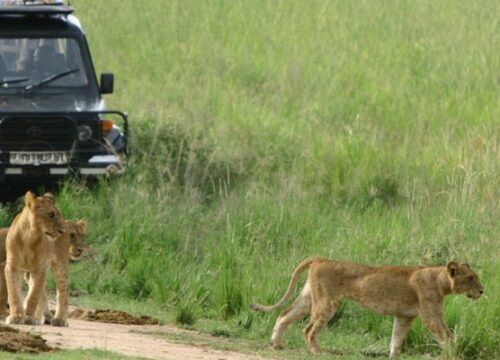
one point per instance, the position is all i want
(14, 320)
(59, 322)
(277, 346)
(31, 320)
(47, 318)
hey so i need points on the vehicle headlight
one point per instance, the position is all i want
(84, 132)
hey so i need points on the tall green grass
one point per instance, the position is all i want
(264, 132)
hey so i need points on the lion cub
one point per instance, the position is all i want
(403, 292)
(29, 246)
(70, 245)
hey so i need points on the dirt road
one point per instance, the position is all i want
(133, 340)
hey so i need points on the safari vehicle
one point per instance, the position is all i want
(53, 120)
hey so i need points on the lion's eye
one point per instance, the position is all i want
(73, 236)
(52, 214)
(471, 278)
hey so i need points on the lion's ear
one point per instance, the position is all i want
(49, 196)
(82, 223)
(29, 199)
(452, 268)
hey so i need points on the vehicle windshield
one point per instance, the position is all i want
(25, 61)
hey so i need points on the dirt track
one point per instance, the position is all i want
(134, 340)
(128, 340)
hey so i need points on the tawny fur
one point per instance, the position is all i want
(403, 292)
(29, 248)
(70, 245)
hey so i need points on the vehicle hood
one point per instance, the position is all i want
(49, 102)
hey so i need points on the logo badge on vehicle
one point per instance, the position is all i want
(34, 131)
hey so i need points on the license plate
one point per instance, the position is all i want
(38, 158)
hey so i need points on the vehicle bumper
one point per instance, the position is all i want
(99, 165)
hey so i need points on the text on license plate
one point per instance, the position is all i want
(38, 158)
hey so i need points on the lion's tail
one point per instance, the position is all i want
(293, 282)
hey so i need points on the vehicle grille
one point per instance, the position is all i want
(18, 133)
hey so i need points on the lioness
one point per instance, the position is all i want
(29, 246)
(70, 245)
(404, 292)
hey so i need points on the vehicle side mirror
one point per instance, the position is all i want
(107, 83)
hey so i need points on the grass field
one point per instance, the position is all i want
(264, 132)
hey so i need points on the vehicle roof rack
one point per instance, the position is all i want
(36, 8)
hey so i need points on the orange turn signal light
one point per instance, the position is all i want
(106, 126)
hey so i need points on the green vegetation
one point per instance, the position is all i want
(268, 131)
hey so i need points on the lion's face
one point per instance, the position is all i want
(45, 214)
(76, 233)
(464, 280)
